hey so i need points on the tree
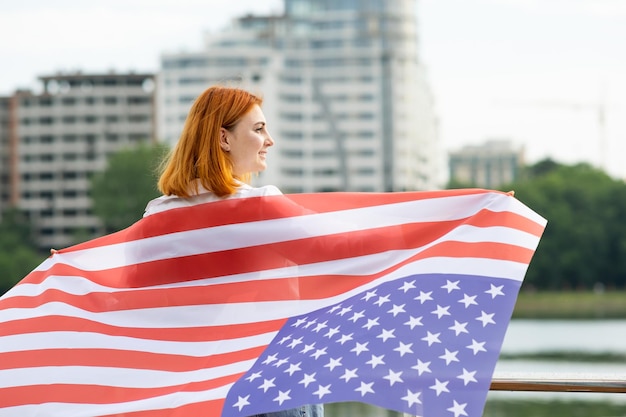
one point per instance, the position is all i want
(585, 240)
(18, 253)
(121, 191)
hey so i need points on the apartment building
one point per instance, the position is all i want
(345, 95)
(61, 137)
(487, 165)
(5, 154)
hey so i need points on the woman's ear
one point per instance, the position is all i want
(224, 140)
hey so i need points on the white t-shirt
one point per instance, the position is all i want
(168, 202)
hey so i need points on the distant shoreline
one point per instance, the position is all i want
(574, 305)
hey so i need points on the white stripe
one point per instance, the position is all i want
(369, 264)
(238, 313)
(169, 401)
(91, 340)
(115, 377)
(286, 229)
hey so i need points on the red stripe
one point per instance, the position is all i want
(308, 288)
(249, 291)
(186, 334)
(113, 358)
(100, 394)
(122, 359)
(277, 255)
(242, 210)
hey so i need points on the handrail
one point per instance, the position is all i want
(550, 382)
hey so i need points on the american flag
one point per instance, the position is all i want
(252, 305)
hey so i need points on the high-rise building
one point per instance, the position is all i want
(58, 139)
(5, 154)
(489, 165)
(345, 94)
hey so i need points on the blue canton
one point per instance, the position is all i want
(425, 345)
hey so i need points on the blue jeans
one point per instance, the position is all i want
(315, 410)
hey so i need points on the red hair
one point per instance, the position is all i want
(198, 154)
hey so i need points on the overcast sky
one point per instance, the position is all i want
(537, 72)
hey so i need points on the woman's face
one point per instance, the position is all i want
(247, 143)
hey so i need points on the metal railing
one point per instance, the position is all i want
(558, 382)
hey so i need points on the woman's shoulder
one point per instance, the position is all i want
(168, 202)
(246, 190)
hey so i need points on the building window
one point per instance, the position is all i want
(110, 100)
(293, 172)
(138, 100)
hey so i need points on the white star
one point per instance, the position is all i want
(495, 291)
(318, 353)
(412, 398)
(477, 347)
(459, 328)
(486, 318)
(299, 322)
(356, 316)
(349, 374)
(282, 397)
(308, 348)
(414, 321)
(397, 310)
(269, 359)
(441, 311)
(242, 402)
(267, 384)
(322, 390)
(310, 323)
(369, 295)
(440, 387)
(407, 286)
(371, 323)
(386, 334)
(345, 310)
(422, 367)
(376, 360)
(332, 332)
(254, 376)
(293, 368)
(431, 338)
(449, 356)
(365, 388)
(280, 363)
(458, 409)
(320, 326)
(424, 296)
(307, 379)
(344, 338)
(284, 339)
(295, 342)
(467, 377)
(360, 347)
(451, 286)
(393, 377)
(382, 300)
(468, 301)
(333, 363)
(404, 348)
(335, 308)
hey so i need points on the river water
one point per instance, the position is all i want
(534, 336)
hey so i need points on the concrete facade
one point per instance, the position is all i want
(345, 95)
(64, 135)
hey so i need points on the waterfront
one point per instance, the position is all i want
(563, 336)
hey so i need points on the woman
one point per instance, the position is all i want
(224, 140)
